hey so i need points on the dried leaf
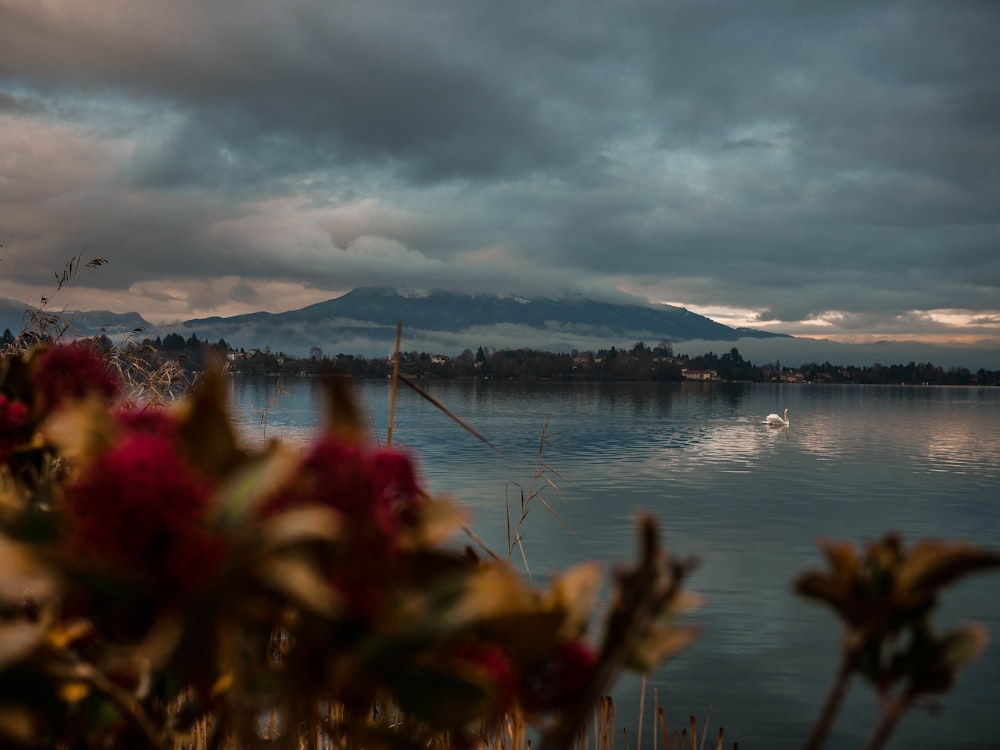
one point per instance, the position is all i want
(19, 724)
(933, 564)
(964, 645)
(660, 643)
(62, 635)
(343, 415)
(300, 582)
(255, 482)
(18, 640)
(823, 587)
(491, 591)
(73, 692)
(574, 592)
(439, 519)
(206, 431)
(82, 430)
(21, 572)
(223, 685)
(299, 525)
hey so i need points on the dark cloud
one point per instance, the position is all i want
(835, 161)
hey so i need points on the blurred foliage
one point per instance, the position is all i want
(163, 585)
(885, 594)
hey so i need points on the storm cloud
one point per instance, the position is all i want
(824, 169)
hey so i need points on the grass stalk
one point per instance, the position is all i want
(642, 705)
(395, 383)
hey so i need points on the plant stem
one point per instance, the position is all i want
(831, 707)
(892, 712)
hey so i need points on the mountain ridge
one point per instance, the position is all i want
(364, 319)
(330, 326)
(373, 312)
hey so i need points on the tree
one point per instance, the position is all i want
(173, 342)
(664, 349)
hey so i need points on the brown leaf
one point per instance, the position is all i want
(206, 431)
(660, 643)
(575, 593)
(343, 414)
(256, 481)
(312, 523)
(18, 640)
(824, 587)
(82, 430)
(438, 519)
(18, 724)
(964, 644)
(300, 582)
(491, 591)
(933, 564)
(21, 572)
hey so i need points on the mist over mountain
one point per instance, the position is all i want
(15, 316)
(363, 322)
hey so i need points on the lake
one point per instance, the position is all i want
(749, 501)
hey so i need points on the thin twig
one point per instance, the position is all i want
(395, 385)
(834, 699)
(892, 711)
(408, 381)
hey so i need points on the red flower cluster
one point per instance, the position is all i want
(72, 371)
(377, 493)
(140, 507)
(13, 420)
(557, 684)
(493, 669)
(150, 420)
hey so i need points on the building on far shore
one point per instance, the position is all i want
(689, 374)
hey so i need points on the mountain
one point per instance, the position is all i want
(363, 321)
(16, 316)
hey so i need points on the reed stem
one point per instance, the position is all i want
(834, 699)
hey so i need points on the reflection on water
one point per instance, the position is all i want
(748, 500)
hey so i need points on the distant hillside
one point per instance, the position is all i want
(364, 321)
(82, 323)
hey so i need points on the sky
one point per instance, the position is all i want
(824, 169)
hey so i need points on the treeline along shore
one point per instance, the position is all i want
(638, 362)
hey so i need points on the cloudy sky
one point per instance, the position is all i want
(823, 169)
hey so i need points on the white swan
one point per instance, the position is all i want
(773, 420)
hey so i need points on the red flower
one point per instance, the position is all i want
(396, 483)
(151, 420)
(493, 670)
(140, 507)
(561, 680)
(13, 420)
(72, 371)
(337, 474)
(367, 487)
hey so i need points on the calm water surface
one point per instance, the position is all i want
(749, 501)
